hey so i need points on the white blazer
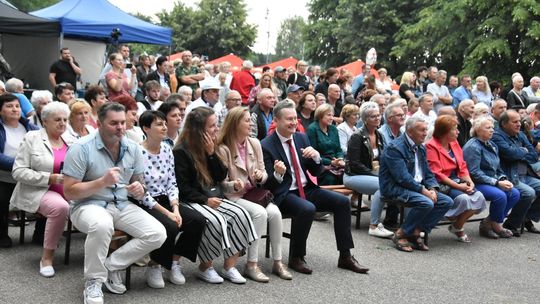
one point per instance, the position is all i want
(32, 168)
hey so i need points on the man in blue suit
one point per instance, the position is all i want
(404, 176)
(287, 157)
(517, 157)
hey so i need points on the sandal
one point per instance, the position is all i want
(462, 237)
(417, 243)
(504, 233)
(400, 245)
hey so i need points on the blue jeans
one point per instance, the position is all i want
(423, 213)
(527, 206)
(501, 201)
(367, 184)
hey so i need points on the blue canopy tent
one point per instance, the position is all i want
(86, 27)
(95, 19)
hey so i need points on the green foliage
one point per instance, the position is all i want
(32, 5)
(290, 38)
(215, 28)
(490, 37)
(321, 44)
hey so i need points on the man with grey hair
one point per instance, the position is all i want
(517, 158)
(243, 81)
(299, 77)
(288, 157)
(15, 86)
(187, 73)
(2, 87)
(40, 98)
(232, 99)
(280, 80)
(464, 115)
(533, 90)
(394, 119)
(412, 184)
(262, 114)
(425, 109)
(441, 95)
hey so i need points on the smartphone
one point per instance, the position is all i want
(129, 66)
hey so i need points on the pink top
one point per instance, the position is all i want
(242, 152)
(59, 156)
(125, 84)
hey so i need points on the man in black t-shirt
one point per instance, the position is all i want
(64, 70)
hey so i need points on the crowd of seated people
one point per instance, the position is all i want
(197, 175)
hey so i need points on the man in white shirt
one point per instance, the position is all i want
(441, 95)
(425, 111)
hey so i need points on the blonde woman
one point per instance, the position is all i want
(407, 86)
(79, 121)
(350, 114)
(481, 91)
(243, 157)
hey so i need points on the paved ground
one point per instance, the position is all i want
(485, 271)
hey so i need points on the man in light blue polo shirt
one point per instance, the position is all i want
(100, 172)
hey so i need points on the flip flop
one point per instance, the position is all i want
(417, 243)
(405, 247)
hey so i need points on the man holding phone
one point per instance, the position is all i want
(64, 70)
(100, 172)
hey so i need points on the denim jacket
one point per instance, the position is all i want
(396, 174)
(483, 161)
(511, 152)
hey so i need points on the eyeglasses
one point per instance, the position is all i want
(398, 115)
(374, 116)
(235, 99)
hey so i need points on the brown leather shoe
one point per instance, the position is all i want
(281, 271)
(351, 263)
(299, 265)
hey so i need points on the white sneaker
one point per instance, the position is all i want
(210, 276)
(233, 275)
(154, 276)
(114, 282)
(92, 292)
(176, 276)
(380, 231)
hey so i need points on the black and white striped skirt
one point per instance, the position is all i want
(229, 229)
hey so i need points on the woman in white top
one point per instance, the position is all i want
(79, 121)
(481, 91)
(12, 131)
(350, 114)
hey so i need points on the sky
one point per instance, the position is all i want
(279, 10)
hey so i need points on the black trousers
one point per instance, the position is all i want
(6, 189)
(193, 225)
(303, 211)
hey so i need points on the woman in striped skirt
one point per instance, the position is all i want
(199, 173)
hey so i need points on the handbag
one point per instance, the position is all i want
(259, 196)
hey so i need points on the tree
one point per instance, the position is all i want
(32, 5)
(492, 37)
(215, 28)
(290, 38)
(373, 23)
(321, 44)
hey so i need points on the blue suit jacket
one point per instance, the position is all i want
(511, 152)
(273, 150)
(396, 174)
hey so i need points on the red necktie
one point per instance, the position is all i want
(296, 167)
